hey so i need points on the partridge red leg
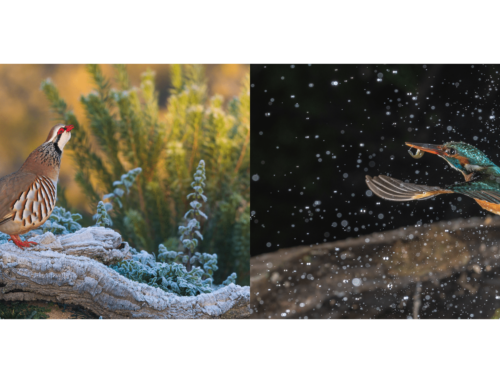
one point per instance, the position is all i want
(20, 243)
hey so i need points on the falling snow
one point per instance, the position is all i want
(323, 136)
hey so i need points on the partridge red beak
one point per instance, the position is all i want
(69, 128)
(429, 148)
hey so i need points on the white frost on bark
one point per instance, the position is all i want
(70, 269)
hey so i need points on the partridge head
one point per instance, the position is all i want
(28, 196)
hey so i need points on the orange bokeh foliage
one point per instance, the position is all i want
(25, 116)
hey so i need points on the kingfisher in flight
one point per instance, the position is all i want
(482, 177)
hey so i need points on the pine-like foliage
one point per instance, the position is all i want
(126, 125)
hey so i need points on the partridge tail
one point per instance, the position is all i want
(396, 190)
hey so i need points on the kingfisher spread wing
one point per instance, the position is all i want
(481, 175)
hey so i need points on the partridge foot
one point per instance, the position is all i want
(20, 243)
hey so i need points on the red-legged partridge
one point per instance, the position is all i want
(28, 196)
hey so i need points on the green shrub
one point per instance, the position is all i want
(126, 124)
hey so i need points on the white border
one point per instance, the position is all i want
(260, 31)
(249, 32)
(250, 351)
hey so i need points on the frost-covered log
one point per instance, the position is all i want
(70, 269)
(99, 243)
(442, 270)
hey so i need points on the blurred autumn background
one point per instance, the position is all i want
(25, 116)
(214, 95)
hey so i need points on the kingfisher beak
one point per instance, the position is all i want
(429, 148)
(69, 128)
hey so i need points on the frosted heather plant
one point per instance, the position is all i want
(189, 232)
(102, 217)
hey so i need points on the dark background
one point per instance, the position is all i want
(317, 130)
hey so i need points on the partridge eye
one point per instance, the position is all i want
(61, 130)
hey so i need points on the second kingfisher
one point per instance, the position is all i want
(482, 177)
